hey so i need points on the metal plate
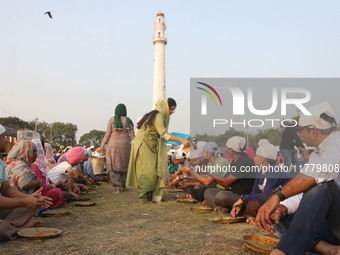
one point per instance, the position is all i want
(262, 244)
(85, 203)
(201, 209)
(55, 213)
(186, 200)
(227, 219)
(39, 233)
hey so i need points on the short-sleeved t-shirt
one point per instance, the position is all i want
(324, 162)
(220, 169)
(59, 173)
(245, 182)
(3, 176)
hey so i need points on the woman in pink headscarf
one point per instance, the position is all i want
(63, 172)
(49, 189)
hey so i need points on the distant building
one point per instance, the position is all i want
(11, 135)
(27, 134)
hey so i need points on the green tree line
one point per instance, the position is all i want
(56, 133)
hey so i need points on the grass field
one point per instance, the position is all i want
(120, 225)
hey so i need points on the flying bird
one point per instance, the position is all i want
(49, 14)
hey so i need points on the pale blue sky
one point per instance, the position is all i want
(95, 54)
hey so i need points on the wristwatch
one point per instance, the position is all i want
(278, 192)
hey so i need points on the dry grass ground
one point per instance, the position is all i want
(119, 225)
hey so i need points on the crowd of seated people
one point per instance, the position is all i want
(301, 208)
(31, 182)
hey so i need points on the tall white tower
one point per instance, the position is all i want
(159, 40)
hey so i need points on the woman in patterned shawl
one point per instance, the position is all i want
(118, 137)
(18, 169)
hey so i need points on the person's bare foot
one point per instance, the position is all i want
(189, 196)
(204, 202)
(221, 210)
(335, 250)
(34, 222)
(104, 178)
(251, 221)
(158, 202)
(326, 248)
(117, 190)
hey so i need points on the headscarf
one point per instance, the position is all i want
(121, 111)
(262, 141)
(212, 148)
(40, 161)
(62, 158)
(75, 155)
(163, 108)
(193, 154)
(49, 157)
(267, 150)
(178, 155)
(170, 152)
(236, 143)
(315, 118)
(67, 149)
(250, 152)
(48, 150)
(18, 162)
(23, 151)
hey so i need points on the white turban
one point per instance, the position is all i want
(314, 119)
(170, 152)
(267, 150)
(200, 145)
(262, 141)
(212, 148)
(2, 129)
(97, 154)
(178, 155)
(236, 143)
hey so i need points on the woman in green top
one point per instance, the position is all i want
(148, 166)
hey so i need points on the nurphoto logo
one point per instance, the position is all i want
(218, 104)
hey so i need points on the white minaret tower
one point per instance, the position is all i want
(159, 40)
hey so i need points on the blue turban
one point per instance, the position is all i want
(212, 148)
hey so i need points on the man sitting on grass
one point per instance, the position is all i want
(234, 183)
(316, 223)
